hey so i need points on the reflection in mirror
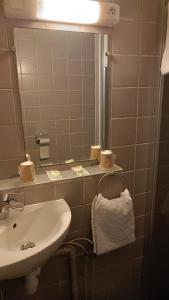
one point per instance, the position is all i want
(62, 86)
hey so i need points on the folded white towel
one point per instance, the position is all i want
(165, 58)
(113, 224)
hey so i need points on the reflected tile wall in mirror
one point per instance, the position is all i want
(56, 72)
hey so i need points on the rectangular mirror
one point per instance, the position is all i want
(62, 80)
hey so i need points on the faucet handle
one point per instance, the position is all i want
(14, 200)
(6, 198)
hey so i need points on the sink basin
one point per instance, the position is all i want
(45, 225)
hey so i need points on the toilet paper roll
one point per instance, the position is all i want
(44, 141)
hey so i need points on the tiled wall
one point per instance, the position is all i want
(56, 72)
(133, 92)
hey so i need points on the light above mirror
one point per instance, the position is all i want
(75, 11)
(65, 11)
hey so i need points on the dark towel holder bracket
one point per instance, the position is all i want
(121, 176)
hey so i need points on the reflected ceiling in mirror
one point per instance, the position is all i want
(59, 80)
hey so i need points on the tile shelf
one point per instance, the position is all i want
(15, 182)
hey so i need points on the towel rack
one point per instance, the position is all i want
(122, 177)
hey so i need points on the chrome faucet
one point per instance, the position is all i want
(10, 201)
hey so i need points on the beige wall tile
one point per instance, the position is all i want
(127, 12)
(7, 108)
(74, 67)
(26, 49)
(53, 98)
(29, 82)
(5, 72)
(61, 126)
(75, 83)
(44, 66)
(125, 37)
(76, 139)
(43, 49)
(32, 128)
(60, 82)
(75, 97)
(48, 113)
(123, 131)
(76, 125)
(76, 111)
(59, 66)
(29, 98)
(40, 193)
(144, 156)
(45, 82)
(125, 157)
(28, 66)
(71, 191)
(123, 102)
(62, 113)
(47, 126)
(149, 72)
(152, 10)
(88, 47)
(88, 82)
(147, 102)
(3, 35)
(59, 51)
(143, 181)
(142, 204)
(9, 142)
(32, 114)
(9, 167)
(88, 67)
(146, 130)
(88, 96)
(124, 71)
(150, 39)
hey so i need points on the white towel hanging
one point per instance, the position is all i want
(113, 224)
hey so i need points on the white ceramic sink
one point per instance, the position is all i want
(45, 224)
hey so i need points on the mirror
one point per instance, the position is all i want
(62, 78)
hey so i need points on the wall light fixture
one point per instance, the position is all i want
(65, 11)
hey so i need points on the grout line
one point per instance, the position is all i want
(140, 216)
(141, 20)
(135, 55)
(126, 146)
(142, 194)
(135, 117)
(138, 84)
(133, 87)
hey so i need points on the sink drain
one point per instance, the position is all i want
(27, 245)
